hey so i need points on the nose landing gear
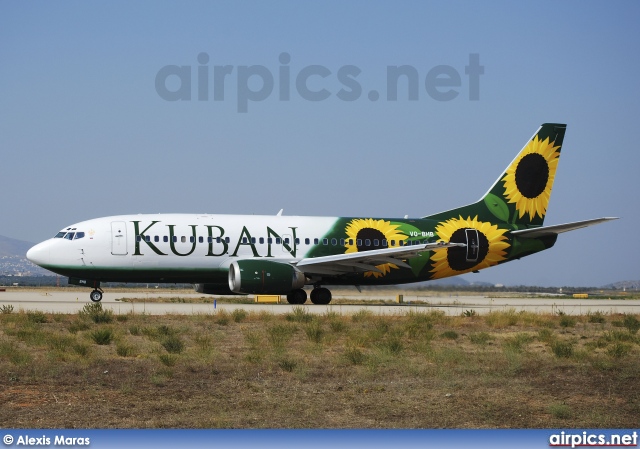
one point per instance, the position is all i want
(96, 295)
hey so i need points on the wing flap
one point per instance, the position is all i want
(367, 260)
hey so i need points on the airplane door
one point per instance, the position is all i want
(118, 238)
(473, 244)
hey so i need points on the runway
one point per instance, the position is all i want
(69, 301)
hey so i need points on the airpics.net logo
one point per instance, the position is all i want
(255, 83)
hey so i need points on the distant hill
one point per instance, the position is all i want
(623, 285)
(13, 247)
(13, 260)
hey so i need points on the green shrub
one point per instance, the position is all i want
(314, 332)
(354, 356)
(560, 411)
(562, 348)
(631, 323)
(287, 364)
(77, 326)
(619, 349)
(596, 317)
(299, 314)
(480, 338)
(36, 317)
(6, 309)
(451, 335)
(102, 336)
(124, 350)
(280, 334)
(96, 313)
(567, 321)
(239, 315)
(173, 344)
(168, 359)
(337, 325)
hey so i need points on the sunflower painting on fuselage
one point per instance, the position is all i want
(365, 234)
(492, 247)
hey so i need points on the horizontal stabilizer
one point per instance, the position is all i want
(559, 229)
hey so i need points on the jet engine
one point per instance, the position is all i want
(263, 276)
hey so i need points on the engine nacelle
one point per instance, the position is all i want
(263, 276)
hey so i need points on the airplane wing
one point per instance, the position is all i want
(367, 260)
(558, 229)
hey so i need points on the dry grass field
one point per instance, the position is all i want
(243, 370)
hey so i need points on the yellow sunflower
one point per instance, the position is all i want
(529, 178)
(485, 248)
(364, 234)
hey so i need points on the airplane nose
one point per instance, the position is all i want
(39, 254)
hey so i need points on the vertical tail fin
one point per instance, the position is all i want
(520, 196)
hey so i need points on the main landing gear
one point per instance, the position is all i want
(96, 295)
(319, 295)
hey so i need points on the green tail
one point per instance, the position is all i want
(520, 196)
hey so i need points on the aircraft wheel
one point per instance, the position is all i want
(298, 296)
(321, 296)
(96, 296)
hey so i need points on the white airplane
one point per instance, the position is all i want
(249, 254)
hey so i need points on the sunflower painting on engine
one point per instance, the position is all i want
(453, 261)
(365, 234)
(529, 178)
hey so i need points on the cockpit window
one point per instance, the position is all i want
(79, 235)
(60, 234)
(69, 235)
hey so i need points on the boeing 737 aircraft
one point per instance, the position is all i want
(248, 254)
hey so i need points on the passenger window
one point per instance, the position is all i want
(401, 243)
(269, 240)
(341, 242)
(393, 243)
(227, 239)
(218, 240)
(156, 239)
(261, 240)
(138, 238)
(376, 243)
(183, 239)
(358, 242)
(165, 239)
(351, 242)
(307, 241)
(209, 239)
(147, 238)
(334, 242)
(175, 239)
(325, 241)
(286, 240)
(384, 243)
(200, 239)
(297, 241)
(244, 240)
(316, 241)
(192, 239)
(253, 240)
(278, 240)
(367, 242)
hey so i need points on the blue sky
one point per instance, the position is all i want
(84, 132)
